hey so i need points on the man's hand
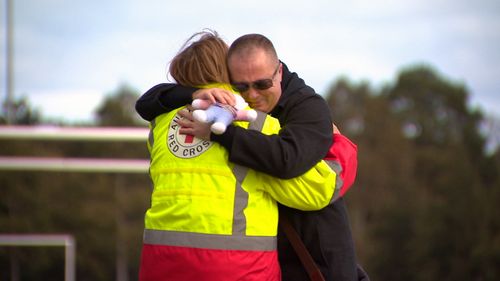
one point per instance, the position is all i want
(215, 95)
(189, 126)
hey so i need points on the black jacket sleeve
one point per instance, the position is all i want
(163, 98)
(304, 139)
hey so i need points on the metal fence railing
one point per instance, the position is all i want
(74, 134)
(67, 164)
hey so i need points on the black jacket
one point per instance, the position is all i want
(304, 116)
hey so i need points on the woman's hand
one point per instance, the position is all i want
(189, 126)
(215, 95)
(335, 129)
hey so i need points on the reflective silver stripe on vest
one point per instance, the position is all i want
(240, 201)
(337, 168)
(209, 241)
(258, 124)
(241, 196)
(238, 240)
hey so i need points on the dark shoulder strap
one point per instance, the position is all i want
(299, 247)
(306, 259)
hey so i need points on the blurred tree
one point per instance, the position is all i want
(118, 109)
(449, 157)
(424, 185)
(385, 164)
(23, 113)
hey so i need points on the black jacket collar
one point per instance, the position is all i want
(291, 83)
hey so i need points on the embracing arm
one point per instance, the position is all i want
(323, 184)
(343, 154)
(303, 140)
(163, 98)
(313, 190)
(166, 97)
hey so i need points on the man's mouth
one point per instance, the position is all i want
(254, 105)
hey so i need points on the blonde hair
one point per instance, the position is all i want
(201, 61)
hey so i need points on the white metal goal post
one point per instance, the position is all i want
(47, 240)
(68, 165)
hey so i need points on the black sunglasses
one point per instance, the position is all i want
(261, 85)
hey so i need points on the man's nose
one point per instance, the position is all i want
(252, 93)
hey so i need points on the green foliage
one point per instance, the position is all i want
(423, 205)
(118, 109)
(104, 212)
(21, 113)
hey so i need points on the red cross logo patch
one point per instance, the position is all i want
(184, 146)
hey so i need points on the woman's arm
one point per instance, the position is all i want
(313, 190)
(344, 153)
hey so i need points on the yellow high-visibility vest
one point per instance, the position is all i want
(200, 199)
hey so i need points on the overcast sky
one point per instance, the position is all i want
(69, 54)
